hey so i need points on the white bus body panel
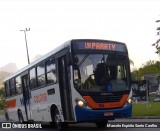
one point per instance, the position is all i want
(41, 107)
(13, 112)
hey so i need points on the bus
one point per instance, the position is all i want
(83, 80)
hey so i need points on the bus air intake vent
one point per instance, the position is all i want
(104, 99)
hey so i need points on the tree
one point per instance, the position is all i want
(134, 75)
(156, 44)
(2, 93)
(131, 62)
(150, 67)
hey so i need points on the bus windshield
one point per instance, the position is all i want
(101, 72)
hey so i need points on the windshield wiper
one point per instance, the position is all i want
(85, 57)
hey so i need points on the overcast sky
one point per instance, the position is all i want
(53, 22)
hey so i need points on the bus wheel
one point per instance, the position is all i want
(20, 117)
(56, 120)
(64, 125)
(6, 116)
(101, 124)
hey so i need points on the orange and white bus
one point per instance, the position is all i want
(83, 80)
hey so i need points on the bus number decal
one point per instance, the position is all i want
(40, 98)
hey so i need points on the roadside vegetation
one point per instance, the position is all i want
(150, 67)
(142, 109)
(2, 105)
(1, 112)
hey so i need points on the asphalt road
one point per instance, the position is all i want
(92, 127)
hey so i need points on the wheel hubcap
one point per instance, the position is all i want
(57, 118)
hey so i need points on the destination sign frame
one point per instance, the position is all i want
(100, 45)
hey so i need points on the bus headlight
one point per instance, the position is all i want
(81, 102)
(128, 102)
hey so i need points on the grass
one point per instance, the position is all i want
(1, 112)
(140, 109)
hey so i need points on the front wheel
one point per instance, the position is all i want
(101, 124)
(56, 120)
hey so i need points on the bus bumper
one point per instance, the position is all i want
(89, 115)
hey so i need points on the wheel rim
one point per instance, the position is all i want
(20, 118)
(57, 118)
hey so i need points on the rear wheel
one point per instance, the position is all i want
(56, 120)
(6, 116)
(101, 124)
(20, 117)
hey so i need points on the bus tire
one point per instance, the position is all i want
(7, 116)
(56, 120)
(101, 124)
(20, 117)
(64, 125)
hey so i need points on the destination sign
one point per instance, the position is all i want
(110, 46)
(99, 46)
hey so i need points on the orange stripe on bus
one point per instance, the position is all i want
(95, 105)
(11, 103)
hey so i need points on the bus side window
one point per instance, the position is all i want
(32, 78)
(18, 85)
(51, 71)
(7, 91)
(41, 75)
(12, 86)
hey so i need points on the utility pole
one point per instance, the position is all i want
(26, 43)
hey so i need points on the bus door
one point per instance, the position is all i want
(64, 85)
(26, 96)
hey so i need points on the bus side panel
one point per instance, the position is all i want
(14, 104)
(41, 102)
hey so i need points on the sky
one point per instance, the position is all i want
(52, 22)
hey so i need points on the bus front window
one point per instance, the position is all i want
(101, 72)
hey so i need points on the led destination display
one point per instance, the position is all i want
(99, 45)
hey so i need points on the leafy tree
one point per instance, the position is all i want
(131, 62)
(150, 67)
(2, 104)
(156, 44)
(2, 93)
(3, 75)
(134, 75)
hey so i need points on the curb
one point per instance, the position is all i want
(145, 117)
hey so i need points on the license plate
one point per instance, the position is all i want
(108, 114)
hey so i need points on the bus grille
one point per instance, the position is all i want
(104, 99)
